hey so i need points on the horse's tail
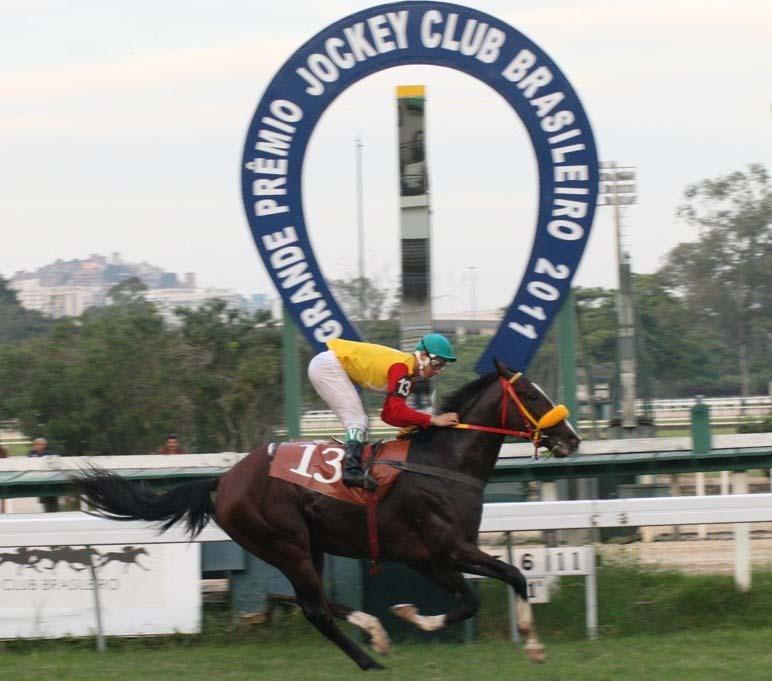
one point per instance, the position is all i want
(112, 496)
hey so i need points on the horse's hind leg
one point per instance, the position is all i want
(370, 625)
(469, 558)
(294, 560)
(453, 582)
(308, 587)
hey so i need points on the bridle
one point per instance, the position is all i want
(533, 426)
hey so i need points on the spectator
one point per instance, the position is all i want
(40, 448)
(172, 446)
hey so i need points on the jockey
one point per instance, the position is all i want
(333, 374)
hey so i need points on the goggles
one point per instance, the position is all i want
(437, 363)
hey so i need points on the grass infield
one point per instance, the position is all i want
(740, 655)
(653, 624)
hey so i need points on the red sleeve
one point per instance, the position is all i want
(395, 410)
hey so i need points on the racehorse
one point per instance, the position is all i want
(429, 520)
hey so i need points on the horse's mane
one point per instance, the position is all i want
(460, 397)
(455, 401)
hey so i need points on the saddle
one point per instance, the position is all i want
(318, 466)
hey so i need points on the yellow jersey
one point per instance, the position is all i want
(368, 364)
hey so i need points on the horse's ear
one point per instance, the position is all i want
(502, 369)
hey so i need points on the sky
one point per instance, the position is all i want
(122, 125)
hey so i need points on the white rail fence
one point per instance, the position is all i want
(80, 529)
(187, 462)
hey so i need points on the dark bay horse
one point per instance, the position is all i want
(427, 521)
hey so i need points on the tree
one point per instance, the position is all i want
(363, 299)
(127, 291)
(236, 379)
(108, 384)
(468, 350)
(724, 279)
(677, 356)
(17, 323)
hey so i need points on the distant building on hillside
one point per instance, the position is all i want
(66, 288)
(167, 301)
(464, 324)
(57, 301)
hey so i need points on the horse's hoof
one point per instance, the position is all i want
(410, 613)
(381, 644)
(371, 665)
(406, 611)
(379, 639)
(536, 653)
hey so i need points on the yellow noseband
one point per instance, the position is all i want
(554, 416)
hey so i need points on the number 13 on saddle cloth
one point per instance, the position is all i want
(318, 466)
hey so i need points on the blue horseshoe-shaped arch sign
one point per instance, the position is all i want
(441, 34)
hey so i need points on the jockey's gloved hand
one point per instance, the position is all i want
(449, 418)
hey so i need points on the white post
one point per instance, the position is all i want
(675, 491)
(514, 634)
(742, 543)
(724, 482)
(101, 645)
(702, 532)
(591, 595)
(648, 534)
(549, 492)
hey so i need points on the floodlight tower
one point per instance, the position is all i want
(415, 224)
(617, 189)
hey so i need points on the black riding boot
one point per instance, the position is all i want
(353, 475)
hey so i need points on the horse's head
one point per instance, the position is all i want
(533, 410)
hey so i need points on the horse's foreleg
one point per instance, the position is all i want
(469, 558)
(453, 582)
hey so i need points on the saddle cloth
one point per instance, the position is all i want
(319, 466)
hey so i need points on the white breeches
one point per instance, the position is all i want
(334, 386)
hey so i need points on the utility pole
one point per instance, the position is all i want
(360, 229)
(292, 399)
(473, 290)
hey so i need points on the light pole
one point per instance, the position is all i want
(473, 290)
(617, 189)
(360, 229)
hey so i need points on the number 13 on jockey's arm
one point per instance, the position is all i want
(346, 364)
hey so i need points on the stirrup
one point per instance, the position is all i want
(356, 477)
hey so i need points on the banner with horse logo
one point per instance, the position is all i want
(48, 591)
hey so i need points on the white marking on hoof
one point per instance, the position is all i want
(405, 610)
(379, 639)
(524, 615)
(535, 651)
(410, 613)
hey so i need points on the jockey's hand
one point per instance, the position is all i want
(449, 418)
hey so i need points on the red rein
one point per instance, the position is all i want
(507, 390)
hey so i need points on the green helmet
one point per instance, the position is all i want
(436, 344)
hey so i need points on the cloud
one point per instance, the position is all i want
(146, 71)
